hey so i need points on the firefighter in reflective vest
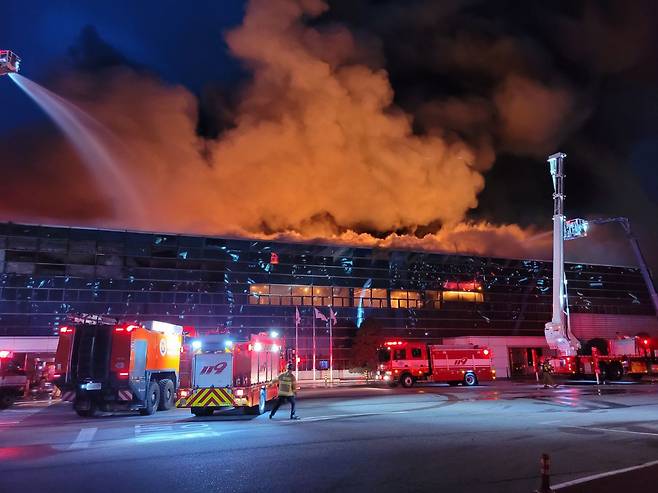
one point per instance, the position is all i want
(287, 389)
(546, 371)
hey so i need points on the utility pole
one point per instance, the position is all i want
(557, 332)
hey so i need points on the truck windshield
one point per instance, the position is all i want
(383, 355)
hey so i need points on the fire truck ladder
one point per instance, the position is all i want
(635, 245)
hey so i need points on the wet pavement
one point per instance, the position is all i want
(351, 438)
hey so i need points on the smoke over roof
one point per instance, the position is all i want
(370, 121)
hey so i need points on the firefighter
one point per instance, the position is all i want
(287, 388)
(546, 374)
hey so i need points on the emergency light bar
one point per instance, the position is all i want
(85, 318)
(164, 327)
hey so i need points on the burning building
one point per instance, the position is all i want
(242, 286)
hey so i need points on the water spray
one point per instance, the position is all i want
(96, 145)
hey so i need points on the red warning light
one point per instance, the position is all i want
(645, 342)
(274, 258)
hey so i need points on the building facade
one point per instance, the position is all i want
(242, 286)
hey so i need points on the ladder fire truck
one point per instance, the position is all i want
(614, 357)
(232, 374)
(102, 364)
(407, 362)
(611, 359)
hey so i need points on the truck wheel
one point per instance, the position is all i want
(202, 411)
(166, 395)
(152, 400)
(407, 380)
(470, 380)
(87, 413)
(615, 371)
(6, 400)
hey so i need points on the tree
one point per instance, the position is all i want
(364, 346)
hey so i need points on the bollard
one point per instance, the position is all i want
(545, 469)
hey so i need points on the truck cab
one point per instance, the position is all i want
(397, 358)
(9, 62)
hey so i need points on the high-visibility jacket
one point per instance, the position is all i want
(287, 384)
(546, 367)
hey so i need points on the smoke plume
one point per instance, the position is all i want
(318, 145)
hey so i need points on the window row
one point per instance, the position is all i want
(282, 294)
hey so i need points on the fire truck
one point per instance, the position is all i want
(12, 380)
(102, 364)
(407, 362)
(232, 374)
(612, 359)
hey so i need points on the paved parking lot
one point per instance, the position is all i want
(483, 439)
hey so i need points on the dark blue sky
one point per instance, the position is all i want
(180, 43)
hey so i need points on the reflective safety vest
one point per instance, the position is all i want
(287, 384)
(546, 367)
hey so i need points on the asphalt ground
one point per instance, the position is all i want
(349, 439)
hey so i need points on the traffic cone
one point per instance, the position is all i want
(545, 469)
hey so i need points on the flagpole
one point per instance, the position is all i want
(314, 343)
(296, 343)
(331, 349)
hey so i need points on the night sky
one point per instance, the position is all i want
(513, 80)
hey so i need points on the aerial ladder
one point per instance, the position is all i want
(558, 331)
(635, 245)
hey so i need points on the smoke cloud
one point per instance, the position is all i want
(318, 146)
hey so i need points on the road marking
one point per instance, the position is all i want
(616, 431)
(338, 416)
(156, 433)
(603, 474)
(15, 415)
(83, 439)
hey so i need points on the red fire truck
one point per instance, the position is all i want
(12, 380)
(103, 364)
(407, 362)
(611, 359)
(231, 374)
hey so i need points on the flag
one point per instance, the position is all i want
(318, 314)
(332, 316)
(298, 319)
